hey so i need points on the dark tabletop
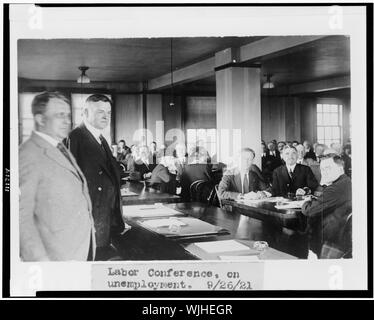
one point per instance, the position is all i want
(266, 211)
(141, 244)
(147, 195)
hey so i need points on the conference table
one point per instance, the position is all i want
(141, 244)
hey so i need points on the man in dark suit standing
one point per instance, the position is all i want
(270, 161)
(293, 178)
(101, 170)
(328, 215)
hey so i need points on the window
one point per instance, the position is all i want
(329, 123)
(202, 137)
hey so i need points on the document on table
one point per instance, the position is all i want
(240, 258)
(146, 211)
(127, 193)
(255, 201)
(159, 223)
(291, 205)
(222, 246)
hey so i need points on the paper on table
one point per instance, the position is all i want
(291, 205)
(271, 199)
(222, 246)
(126, 193)
(152, 210)
(158, 223)
(240, 258)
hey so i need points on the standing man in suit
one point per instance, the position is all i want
(242, 182)
(270, 161)
(328, 215)
(292, 177)
(55, 217)
(102, 172)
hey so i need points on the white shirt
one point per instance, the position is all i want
(48, 138)
(94, 131)
(242, 175)
(300, 161)
(291, 168)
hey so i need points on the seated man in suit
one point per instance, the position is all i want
(292, 177)
(164, 175)
(142, 169)
(301, 154)
(270, 161)
(319, 150)
(309, 152)
(346, 156)
(122, 153)
(242, 182)
(328, 214)
(196, 169)
(55, 209)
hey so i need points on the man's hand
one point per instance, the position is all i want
(252, 196)
(300, 192)
(147, 175)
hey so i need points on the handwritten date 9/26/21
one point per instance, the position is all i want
(229, 285)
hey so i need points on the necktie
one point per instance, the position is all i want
(291, 174)
(65, 152)
(105, 146)
(245, 184)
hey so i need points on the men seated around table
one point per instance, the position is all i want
(328, 215)
(270, 161)
(241, 182)
(346, 156)
(309, 151)
(122, 153)
(142, 169)
(196, 169)
(164, 175)
(55, 210)
(292, 178)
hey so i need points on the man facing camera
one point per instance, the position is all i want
(328, 215)
(55, 208)
(292, 177)
(242, 182)
(94, 157)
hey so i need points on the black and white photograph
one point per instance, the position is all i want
(217, 148)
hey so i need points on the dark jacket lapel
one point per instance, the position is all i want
(238, 182)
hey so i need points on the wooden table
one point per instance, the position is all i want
(147, 195)
(288, 218)
(141, 244)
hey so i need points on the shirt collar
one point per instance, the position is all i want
(95, 132)
(48, 138)
(292, 168)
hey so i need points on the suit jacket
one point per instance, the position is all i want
(55, 216)
(103, 178)
(163, 180)
(302, 177)
(270, 163)
(231, 184)
(310, 155)
(139, 169)
(328, 214)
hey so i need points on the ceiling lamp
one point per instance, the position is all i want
(268, 84)
(83, 77)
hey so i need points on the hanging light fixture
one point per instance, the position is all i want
(171, 103)
(268, 84)
(83, 77)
